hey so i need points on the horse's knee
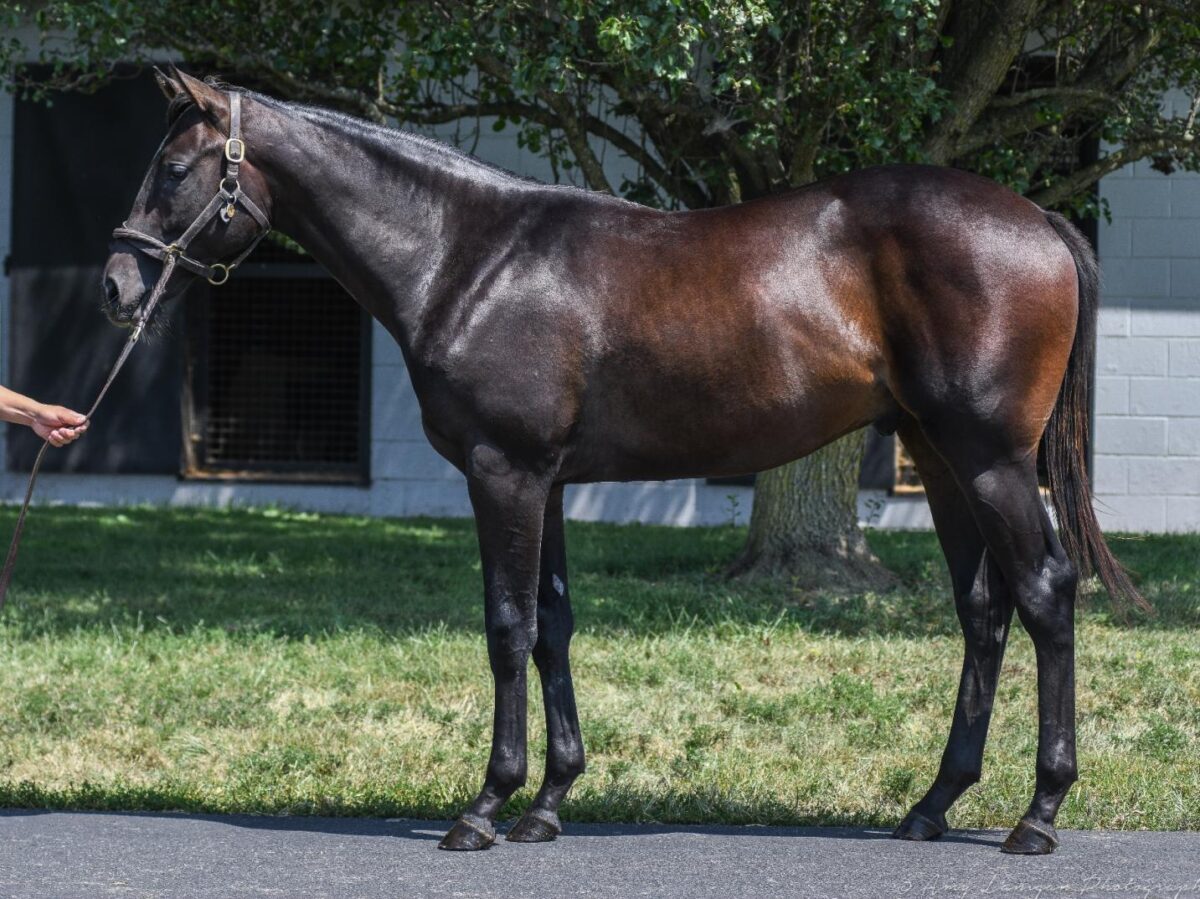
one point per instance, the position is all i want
(551, 654)
(1046, 602)
(512, 633)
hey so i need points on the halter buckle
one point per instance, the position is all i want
(173, 249)
(224, 271)
(235, 150)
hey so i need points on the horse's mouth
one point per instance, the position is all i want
(125, 316)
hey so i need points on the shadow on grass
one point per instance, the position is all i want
(298, 575)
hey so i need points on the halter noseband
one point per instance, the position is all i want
(229, 196)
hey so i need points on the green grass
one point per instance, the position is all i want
(276, 662)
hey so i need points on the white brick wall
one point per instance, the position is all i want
(1147, 437)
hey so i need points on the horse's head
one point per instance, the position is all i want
(201, 201)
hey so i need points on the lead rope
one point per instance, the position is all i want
(10, 563)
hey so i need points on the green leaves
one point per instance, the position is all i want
(711, 100)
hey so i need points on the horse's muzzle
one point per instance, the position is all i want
(122, 288)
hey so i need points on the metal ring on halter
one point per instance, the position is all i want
(226, 269)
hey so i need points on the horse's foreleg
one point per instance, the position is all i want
(564, 746)
(509, 503)
(985, 610)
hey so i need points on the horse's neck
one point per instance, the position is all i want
(381, 214)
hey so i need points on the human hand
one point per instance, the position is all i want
(58, 424)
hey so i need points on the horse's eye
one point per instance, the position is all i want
(177, 171)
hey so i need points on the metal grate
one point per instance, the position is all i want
(278, 381)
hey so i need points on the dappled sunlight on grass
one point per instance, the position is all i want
(282, 662)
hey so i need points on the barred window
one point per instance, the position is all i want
(278, 378)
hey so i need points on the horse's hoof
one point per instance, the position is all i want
(1031, 839)
(916, 826)
(470, 832)
(536, 826)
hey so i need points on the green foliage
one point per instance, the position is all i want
(714, 100)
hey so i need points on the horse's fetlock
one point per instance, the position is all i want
(1057, 774)
(566, 765)
(966, 778)
(508, 773)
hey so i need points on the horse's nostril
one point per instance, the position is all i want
(112, 293)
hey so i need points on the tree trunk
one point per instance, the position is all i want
(805, 522)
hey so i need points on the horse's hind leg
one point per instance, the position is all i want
(564, 746)
(984, 611)
(509, 502)
(1000, 483)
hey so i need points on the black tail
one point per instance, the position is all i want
(1065, 442)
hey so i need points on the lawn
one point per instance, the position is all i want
(266, 661)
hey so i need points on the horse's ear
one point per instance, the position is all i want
(169, 87)
(209, 100)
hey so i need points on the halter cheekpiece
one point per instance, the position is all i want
(229, 196)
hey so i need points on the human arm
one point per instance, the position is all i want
(57, 424)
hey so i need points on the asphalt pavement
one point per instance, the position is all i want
(61, 855)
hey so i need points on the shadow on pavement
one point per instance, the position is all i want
(431, 831)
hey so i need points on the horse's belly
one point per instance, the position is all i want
(664, 431)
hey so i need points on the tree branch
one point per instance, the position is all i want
(986, 37)
(1024, 112)
(567, 119)
(1080, 180)
(1097, 85)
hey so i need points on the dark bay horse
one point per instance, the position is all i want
(559, 336)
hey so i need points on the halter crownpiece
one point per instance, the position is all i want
(228, 197)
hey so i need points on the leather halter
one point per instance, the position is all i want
(228, 197)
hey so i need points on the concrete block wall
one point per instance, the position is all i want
(1147, 436)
